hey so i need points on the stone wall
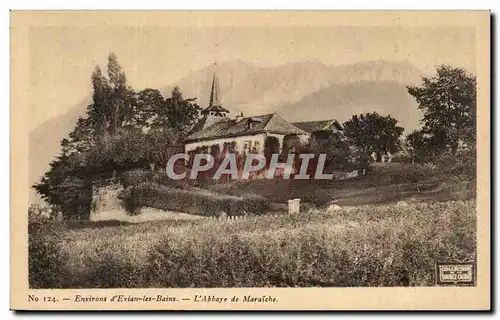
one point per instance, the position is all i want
(105, 203)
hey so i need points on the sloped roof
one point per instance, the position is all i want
(279, 125)
(214, 108)
(226, 127)
(311, 126)
(206, 122)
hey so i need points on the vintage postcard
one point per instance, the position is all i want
(260, 160)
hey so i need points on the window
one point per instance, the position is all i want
(234, 146)
(249, 124)
(247, 145)
(256, 147)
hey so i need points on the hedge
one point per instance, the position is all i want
(193, 201)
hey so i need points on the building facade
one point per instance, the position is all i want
(245, 134)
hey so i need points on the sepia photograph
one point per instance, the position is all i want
(244, 151)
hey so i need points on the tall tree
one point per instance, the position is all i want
(68, 183)
(122, 130)
(122, 97)
(99, 111)
(372, 132)
(448, 101)
(181, 114)
(94, 124)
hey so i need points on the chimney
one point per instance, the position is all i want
(239, 117)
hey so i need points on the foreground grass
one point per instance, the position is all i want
(362, 246)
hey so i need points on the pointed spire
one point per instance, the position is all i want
(214, 106)
(215, 93)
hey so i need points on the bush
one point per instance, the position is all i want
(402, 157)
(110, 271)
(193, 201)
(162, 178)
(135, 177)
(401, 173)
(38, 214)
(416, 174)
(251, 204)
(45, 261)
(130, 200)
(43, 214)
(461, 164)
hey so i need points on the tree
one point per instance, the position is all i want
(158, 141)
(181, 114)
(290, 144)
(332, 144)
(271, 146)
(337, 151)
(121, 96)
(448, 101)
(121, 131)
(68, 183)
(419, 146)
(99, 111)
(150, 110)
(372, 132)
(94, 124)
(63, 186)
(120, 152)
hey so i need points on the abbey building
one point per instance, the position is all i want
(245, 134)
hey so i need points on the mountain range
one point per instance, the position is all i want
(255, 90)
(299, 91)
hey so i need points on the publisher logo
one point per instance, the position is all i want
(455, 273)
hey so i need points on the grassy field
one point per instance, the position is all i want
(367, 245)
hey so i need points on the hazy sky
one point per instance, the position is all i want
(62, 58)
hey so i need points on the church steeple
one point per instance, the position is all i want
(215, 93)
(214, 106)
